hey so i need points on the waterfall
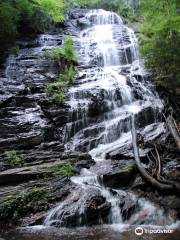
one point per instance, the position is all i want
(102, 100)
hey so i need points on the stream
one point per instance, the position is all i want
(113, 82)
(114, 48)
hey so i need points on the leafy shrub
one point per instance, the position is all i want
(65, 170)
(160, 46)
(27, 16)
(8, 26)
(54, 54)
(13, 158)
(68, 75)
(63, 55)
(58, 98)
(69, 50)
(55, 87)
(20, 205)
(14, 50)
(55, 8)
(126, 9)
(66, 58)
(56, 91)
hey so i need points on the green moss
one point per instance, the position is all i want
(65, 170)
(26, 202)
(14, 50)
(13, 158)
(36, 56)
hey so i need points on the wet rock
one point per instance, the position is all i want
(83, 208)
(76, 155)
(128, 203)
(121, 178)
(22, 141)
(83, 23)
(171, 202)
(76, 13)
(138, 184)
(42, 168)
(31, 210)
(154, 131)
(24, 174)
(126, 152)
(83, 164)
(145, 117)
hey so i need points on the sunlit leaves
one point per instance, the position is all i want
(160, 45)
(53, 7)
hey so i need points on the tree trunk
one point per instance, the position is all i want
(173, 130)
(165, 188)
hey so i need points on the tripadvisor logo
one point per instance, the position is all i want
(139, 231)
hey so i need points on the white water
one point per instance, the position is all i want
(107, 48)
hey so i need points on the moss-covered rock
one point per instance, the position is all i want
(26, 202)
(121, 178)
(66, 170)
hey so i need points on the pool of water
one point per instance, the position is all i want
(85, 233)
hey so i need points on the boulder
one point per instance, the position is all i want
(122, 178)
(83, 207)
(128, 203)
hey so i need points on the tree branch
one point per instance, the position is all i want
(165, 188)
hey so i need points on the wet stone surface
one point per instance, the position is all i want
(94, 122)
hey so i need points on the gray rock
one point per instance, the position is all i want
(122, 178)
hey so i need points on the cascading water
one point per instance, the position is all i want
(102, 100)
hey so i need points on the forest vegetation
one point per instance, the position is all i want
(62, 110)
(159, 27)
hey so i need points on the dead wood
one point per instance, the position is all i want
(163, 187)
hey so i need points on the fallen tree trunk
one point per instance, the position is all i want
(173, 130)
(165, 188)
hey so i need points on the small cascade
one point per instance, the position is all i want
(111, 86)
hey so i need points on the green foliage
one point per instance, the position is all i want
(126, 9)
(13, 158)
(65, 170)
(56, 87)
(127, 13)
(56, 90)
(54, 54)
(27, 16)
(58, 98)
(55, 8)
(66, 58)
(14, 50)
(68, 75)
(26, 202)
(63, 55)
(160, 45)
(8, 26)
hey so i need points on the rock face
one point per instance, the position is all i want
(42, 144)
(28, 121)
(128, 204)
(17, 209)
(122, 178)
(80, 208)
